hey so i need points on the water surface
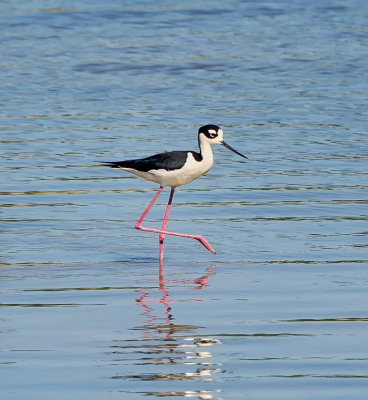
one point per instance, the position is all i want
(280, 310)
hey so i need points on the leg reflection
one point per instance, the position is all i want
(147, 300)
(168, 352)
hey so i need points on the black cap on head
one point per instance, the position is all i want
(204, 129)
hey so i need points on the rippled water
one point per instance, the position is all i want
(280, 311)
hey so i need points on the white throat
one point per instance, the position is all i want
(206, 151)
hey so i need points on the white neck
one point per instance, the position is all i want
(206, 150)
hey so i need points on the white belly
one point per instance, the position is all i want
(191, 170)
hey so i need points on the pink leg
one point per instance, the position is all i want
(145, 212)
(162, 231)
(163, 226)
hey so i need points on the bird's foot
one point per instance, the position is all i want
(204, 242)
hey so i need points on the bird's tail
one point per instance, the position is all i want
(113, 164)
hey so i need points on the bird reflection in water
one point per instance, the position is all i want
(168, 327)
(167, 345)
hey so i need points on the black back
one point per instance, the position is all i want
(170, 161)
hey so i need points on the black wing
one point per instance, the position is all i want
(170, 161)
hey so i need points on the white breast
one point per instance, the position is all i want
(191, 170)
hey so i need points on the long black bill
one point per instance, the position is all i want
(230, 148)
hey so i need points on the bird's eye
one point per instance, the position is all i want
(213, 135)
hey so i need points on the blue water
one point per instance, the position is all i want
(280, 311)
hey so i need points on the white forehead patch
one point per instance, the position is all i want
(211, 131)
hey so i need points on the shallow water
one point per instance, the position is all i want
(280, 311)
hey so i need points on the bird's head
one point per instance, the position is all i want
(213, 134)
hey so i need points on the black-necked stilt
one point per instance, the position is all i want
(175, 168)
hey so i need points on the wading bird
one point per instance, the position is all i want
(175, 168)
